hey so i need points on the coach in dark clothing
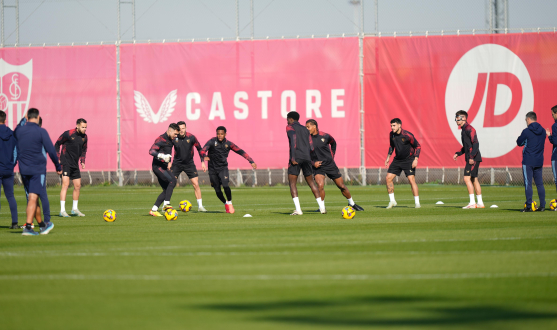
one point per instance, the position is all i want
(31, 139)
(533, 141)
(8, 159)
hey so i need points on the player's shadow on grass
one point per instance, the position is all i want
(383, 311)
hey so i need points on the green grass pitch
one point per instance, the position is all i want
(436, 267)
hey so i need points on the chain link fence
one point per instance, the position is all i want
(55, 22)
(496, 176)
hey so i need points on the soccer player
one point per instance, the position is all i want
(407, 152)
(8, 159)
(324, 163)
(74, 149)
(471, 151)
(161, 151)
(533, 141)
(216, 151)
(183, 160)
(31, 139)
(301, 148)
(552, 136)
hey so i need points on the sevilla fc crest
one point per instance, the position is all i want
(15, 90)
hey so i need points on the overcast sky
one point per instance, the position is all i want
(52, 21)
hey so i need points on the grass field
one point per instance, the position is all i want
(429, 268)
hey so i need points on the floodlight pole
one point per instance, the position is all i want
(237, 20)
(251, 19)
(362, 111)
(16, 7)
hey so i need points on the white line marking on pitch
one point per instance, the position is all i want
(309, 277)
(277, 253)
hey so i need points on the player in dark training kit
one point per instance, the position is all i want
(73, 144)
(216, 152)
(183, 160)
(161, 151)
(301, 147)
(552, 136)
(471, 151)
(407, 152)
(324, 162)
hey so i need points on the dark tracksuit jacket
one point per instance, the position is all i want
(533, 141)
(218, 151)
(300, 141)
(183, 149)
(73, 148)
(470, 144)
(553, 139)
(405, 144)
(325, 149)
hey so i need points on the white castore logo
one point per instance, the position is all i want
(144, 108)
(492, 84)
(15, 90)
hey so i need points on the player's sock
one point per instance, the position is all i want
(480, 201)
(199, 203)
(166, 203)
(62, 206)
(297, 204)
(417, 199)
(392, 197)
(74, 205)
(228, 202)
(320, 203)
(155, 208)
(472, 201)
(350, 201)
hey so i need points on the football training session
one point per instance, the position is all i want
(278, 164)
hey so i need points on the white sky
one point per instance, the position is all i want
(52, 21)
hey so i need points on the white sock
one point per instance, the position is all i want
(74, 205)
(229, 202)
(417, 199)
(166, 203)
(472, 201)
(199, 203)
(155, 208)
(320, 203)
(297, 204)
(480, 201)
(350, 201)
(392, 197)
(62, 206)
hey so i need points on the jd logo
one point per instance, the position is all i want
(493, 85)
(145, 111)
(15, 90)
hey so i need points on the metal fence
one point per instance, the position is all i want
(508, 176)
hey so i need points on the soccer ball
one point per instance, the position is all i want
(185, 206)
(534, 205)
(348, 212)
(553, 204)
(171, 214)
(109, 215)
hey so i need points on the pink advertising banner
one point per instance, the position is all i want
(65, 83)
(423, 81)
(246, 86)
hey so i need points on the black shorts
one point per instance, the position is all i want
(219, 178)
(72, 172)
(471, 170)
(397, 166)
(330, 170)
(304, 165)
(189, 168)
(164, 175)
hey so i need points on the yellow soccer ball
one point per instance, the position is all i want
(348, 212)
(171, 214)
(553, 204)
(534, 205)
(109, 215)
(185, 206)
